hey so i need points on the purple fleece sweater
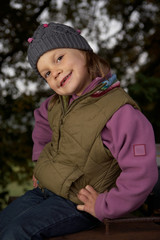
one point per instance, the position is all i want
(130, 138)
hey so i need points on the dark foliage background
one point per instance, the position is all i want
(132, 50)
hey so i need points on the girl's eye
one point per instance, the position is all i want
(47, 74)
(59, 58)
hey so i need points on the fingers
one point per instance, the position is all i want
(81, 207)
(87, 192)
(90, 189)
(83, 196)
(35, 182)
(88, 196)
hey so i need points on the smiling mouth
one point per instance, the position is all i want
(62, 83)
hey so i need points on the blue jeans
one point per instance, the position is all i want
(42, 214)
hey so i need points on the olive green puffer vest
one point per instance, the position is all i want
(76, 155)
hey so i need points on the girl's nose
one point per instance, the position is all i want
(56, 73)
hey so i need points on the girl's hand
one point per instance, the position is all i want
(35, 182)
(88, 196)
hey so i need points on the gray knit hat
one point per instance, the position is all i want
(51, 36)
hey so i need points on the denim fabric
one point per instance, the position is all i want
(42, 214)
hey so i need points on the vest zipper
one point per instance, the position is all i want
(66, 109)
(76, 101)
(64, 106)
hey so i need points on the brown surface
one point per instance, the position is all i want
(120, 229)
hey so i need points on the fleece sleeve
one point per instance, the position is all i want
(130, 138)
(42, 132)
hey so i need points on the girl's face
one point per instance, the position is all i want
(65, 70)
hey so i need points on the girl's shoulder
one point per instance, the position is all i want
(42, 110)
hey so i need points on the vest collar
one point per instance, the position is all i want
(98, 87)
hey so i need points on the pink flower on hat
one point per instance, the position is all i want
(79, 31)
(45, 25)
(30, 40)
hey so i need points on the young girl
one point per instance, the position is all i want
(94, 149)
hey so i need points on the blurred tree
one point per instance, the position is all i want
(136, 54)
(125, 32)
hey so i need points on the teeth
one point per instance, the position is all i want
(65, 79)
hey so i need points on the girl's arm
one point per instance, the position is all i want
(130, 138)
(42, 132)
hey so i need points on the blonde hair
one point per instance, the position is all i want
(97, 66)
